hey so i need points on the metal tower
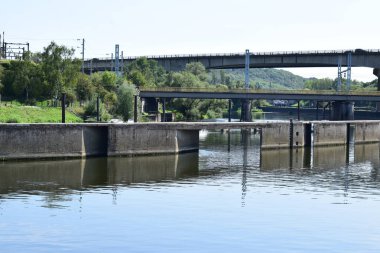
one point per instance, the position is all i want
(117, 62)
(347, 72)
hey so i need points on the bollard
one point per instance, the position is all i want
(63, 105)
(291, 130)
(98, 109)
(135, 110)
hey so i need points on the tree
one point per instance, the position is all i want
(84, 88)
(144, 72)
(24, 80)
(124, 105)
(109, 80)
(320, 84)
(59, 67)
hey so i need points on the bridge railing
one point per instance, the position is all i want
(239, 54)
(262, 91)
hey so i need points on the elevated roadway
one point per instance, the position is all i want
(360, 58)
(258, 94)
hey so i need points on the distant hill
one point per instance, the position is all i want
(259, 78)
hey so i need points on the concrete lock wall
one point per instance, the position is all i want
(330, 133)
(282, 135)
(36, 141)
(40, 141)
(138, 140)
(367, 132)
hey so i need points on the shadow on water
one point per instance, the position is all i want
(32, 177)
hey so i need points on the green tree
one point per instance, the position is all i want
(60, 68)
(24, 80)
(84, 88)
(124, 106)
(320, 84)
(197, 69)
(144, 72)
(109, 80)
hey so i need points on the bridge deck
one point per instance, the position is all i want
(258, 94)
(360, 58)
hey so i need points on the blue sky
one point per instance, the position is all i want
(148, 27)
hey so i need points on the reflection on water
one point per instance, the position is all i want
(228, 197)
(35, 176)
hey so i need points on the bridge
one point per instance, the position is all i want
(360, 58)
(252, 94)
(342, 106)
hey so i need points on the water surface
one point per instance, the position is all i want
(221, 199)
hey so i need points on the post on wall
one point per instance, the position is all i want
(135, 109)
(63, 106)
(163, 118)
(98, 108)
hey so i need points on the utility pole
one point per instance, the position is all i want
(122, 62)
(82, 55)
(247, 68)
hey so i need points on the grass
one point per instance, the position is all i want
(15, 113)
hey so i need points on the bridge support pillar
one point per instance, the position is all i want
(376, 72)
(342, 110)
(246, 114)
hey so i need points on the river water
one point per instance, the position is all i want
(228, 197)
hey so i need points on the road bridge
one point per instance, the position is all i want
(360, 58)
(342, 101)
(252, 94)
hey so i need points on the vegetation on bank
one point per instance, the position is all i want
(43, 77)
(14, 113)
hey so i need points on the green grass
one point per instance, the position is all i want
(33, 114)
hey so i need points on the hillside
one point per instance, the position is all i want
(259, 78)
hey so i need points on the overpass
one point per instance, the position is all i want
(360, 58)
(342, 102)
(252, 94)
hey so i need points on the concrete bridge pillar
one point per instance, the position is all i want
(246, 114)
(342, 110)
(376, 72)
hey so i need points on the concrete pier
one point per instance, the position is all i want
(342, 110)
(330, 133)
(140, 139)
(283, 135)
(367, 132)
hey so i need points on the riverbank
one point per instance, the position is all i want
(14, 113)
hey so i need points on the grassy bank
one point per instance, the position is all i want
(34, 114)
